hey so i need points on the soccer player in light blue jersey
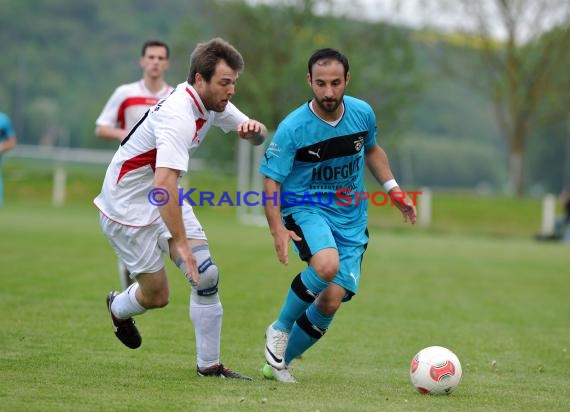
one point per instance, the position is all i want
(315, 196)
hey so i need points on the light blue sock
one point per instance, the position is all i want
(306, 331)
(313, 281)
(304, 289)
(291, 310)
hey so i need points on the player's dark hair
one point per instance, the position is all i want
(328, 54)
(206, 56)
(155, 43)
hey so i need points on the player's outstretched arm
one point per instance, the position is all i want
(377, 162)
(404, 204)
(110, 133)
(253, 131)
(8, 144)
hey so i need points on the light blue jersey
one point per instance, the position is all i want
(321, 166)
(6, 130)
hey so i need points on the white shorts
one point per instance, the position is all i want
(141, 249)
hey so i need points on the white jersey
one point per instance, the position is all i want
(128, 104)
(166, 137)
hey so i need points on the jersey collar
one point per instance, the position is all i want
(161, 93)
(196, 99)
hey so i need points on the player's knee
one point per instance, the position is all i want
(327, 305)
(326, 270)
(208, 285)
(326, 263)
(206, 292)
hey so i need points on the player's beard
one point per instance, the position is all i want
(218, 106)
(214, 104)
(328, 105)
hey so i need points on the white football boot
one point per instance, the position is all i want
(280, 375)
(275, 345)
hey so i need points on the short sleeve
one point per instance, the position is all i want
(229, 119)
(6, 129)
(110, 113)
(174, 132)
(372, 127)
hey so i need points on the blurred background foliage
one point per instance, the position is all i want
(62, 59)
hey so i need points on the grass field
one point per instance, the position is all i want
(488, 298)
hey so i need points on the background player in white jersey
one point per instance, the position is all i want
(129, 102)
(318, 153)
(139, 206)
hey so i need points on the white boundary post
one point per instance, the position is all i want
(249, 179)
(424, 207)
(59, 180)
(548, 214)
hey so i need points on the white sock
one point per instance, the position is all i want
(126, 305)
(207, 320)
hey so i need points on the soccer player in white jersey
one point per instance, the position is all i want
(139, 202)
(129, 102)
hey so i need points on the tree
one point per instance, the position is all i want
(279, 38)
(523, 45)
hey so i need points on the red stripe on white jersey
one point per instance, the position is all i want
(195, 100)
(199, 122)
(144, 159)
(134, 101)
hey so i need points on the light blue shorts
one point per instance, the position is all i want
(317, 233)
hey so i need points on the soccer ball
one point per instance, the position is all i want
(435, 370)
